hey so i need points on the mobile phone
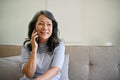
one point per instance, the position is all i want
(37, 40)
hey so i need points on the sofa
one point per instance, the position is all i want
(81, 62)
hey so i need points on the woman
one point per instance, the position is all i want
(43, 52)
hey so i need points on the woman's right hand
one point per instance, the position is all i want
(30, 66)
(33, 40)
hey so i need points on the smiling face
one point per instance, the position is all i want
(43, 28)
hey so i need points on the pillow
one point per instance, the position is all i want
(10, 68)
(65, 68)
(12, 58)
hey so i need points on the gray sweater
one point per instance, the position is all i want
(44, 60)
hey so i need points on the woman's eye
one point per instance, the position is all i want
(49, 24)
(40, 24)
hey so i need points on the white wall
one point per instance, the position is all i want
(14, 18)
(81, 22)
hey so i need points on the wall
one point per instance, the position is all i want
(81, 22)
(14, 18)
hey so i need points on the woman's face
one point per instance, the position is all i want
(43, 28)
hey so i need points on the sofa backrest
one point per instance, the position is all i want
(9, 50)
(94, 62)
(86, 62)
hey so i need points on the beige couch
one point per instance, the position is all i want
(85, 62)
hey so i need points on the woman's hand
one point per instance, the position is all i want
(30, 66)
(33, 40)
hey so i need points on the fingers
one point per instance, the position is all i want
(34, 43)
(34, 35)
(33, 31)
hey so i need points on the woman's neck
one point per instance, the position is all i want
(43, 41)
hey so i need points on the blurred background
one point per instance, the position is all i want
(81, 22)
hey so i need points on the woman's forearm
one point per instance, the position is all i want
(30, 66)
(48, 75)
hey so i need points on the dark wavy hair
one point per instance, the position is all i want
(53, 41)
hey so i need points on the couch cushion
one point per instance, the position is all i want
(78, 64)
(10, 68)
(104, 63)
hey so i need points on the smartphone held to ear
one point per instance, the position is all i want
(37, 40)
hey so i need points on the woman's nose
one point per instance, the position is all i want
(45, 27)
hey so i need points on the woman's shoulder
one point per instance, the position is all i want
(60, 45)
(26, 46)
